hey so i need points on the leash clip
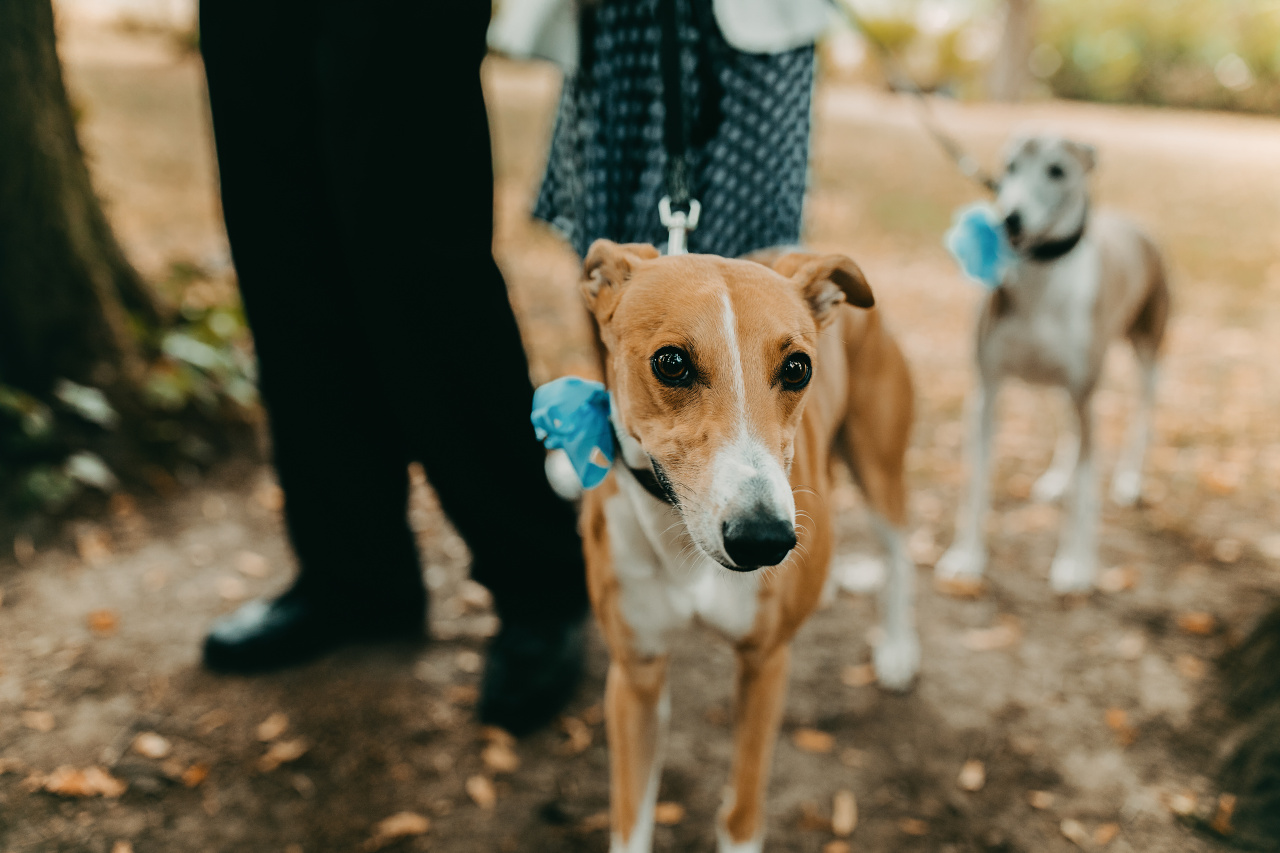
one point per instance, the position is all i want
(678, 224)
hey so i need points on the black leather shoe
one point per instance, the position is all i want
(264, 635)
(532, 672)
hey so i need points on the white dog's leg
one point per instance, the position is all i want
(967, 556)
(1075, 564)
(897, 655)
(1053, 483)
(1126, 483)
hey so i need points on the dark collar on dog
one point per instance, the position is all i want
(653, 479)
(1054, 249)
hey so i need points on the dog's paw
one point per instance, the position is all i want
(962, 561)
(1051, 486)
(897, 661)
(1126, 488)
(1072, 575)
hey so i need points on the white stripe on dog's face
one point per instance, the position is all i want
(1044, 189)
(723, 439)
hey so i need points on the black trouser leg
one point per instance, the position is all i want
(339, 452)
(407, 141)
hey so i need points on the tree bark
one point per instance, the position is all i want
(67, 292)
(1010, 74)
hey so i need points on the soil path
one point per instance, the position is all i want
(1092, 718)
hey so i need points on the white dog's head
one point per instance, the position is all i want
(1044, 191)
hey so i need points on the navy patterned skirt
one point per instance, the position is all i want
(748, 119)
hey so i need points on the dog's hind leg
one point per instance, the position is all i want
(1146, 334)
(760, 696)
(637, 709)
(876, 432)
(1052, 484)
(967, 556)
(1075, 564)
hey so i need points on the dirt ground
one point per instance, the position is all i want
(1094, 720)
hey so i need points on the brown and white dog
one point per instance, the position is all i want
(1080, 281)
(735, 384)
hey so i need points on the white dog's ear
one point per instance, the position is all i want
(608, 267)
(824, 281)
(1085, 153)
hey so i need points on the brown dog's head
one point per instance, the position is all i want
(708, 364)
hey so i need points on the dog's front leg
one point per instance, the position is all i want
(967, 556)
(1075, 564)
(637, 709)
(759, 698)
(897, 655)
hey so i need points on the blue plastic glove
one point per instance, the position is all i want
(572, 414)
(979, 244)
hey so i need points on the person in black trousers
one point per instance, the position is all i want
(357, 185)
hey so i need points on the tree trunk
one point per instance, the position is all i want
(1010, 74)
(67, 292)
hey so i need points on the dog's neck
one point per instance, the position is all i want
(1052, 249)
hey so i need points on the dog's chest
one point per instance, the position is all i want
(1048, 334)
(665, 582)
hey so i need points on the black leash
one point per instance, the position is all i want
(967, 165)
(678, 210)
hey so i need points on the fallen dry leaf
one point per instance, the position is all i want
(1040, 799)
(973, 776)
(812, 819)
(861, 675)
(462, 694)
(1228, 550)
(253, 565)
(1118, 579)
(194, 775)
(474, 595)
(1222, 817)
(837, 847)
(813, 740)
(468, 661)
(1106, 833)
(93, 544)
(283, 752)
(269, 496)
(1131, 645)
(844, 813)
(151, 745)
(1005, 633)
(1074, 831)
(481, 791)
(399, 825)
(1118, 721)
(579, 735)
(122, 847)
(597, 822)
(103, 622)
(273, 726)
(668, 814)
(971, 588)
(38, 721)
(500, 758)
(913, 826)
(88, 782)
(1197, 622)
(1182, 804)
(232, 588)
(211, 721)
(1191, 667)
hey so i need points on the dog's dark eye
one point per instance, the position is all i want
(796, 372)
(672, 366)
(1056, 172)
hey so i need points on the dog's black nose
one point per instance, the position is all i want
(1013, 224)
(753, 543)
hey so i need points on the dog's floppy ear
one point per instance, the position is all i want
(1085, 153)
(607, 268)
(825, 281)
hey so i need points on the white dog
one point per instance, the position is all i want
(1080, 280)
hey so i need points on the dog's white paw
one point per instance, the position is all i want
(1126, 488)
(962, 561)
(1051, 486)
(897, 661)
(1070, 574)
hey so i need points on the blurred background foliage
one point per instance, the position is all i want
(1204, 54)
